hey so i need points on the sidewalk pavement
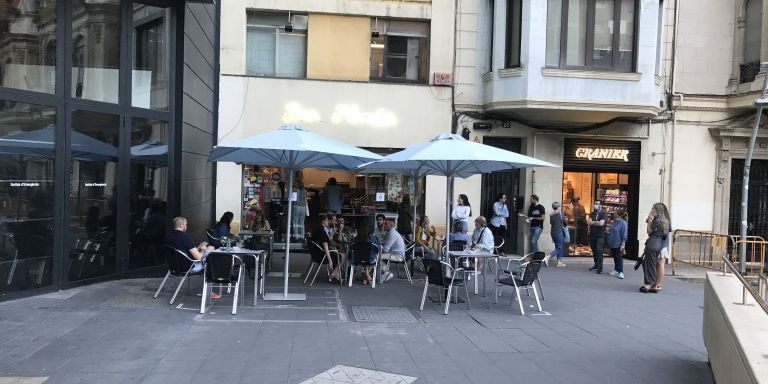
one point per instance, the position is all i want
(595, 329)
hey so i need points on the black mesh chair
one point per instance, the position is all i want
(180, 266)
(359, 256)
(529, 276)
(212, 239)
(436, 278)
(222, 270)
(317, 254)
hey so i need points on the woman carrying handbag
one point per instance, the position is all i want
(559, 232)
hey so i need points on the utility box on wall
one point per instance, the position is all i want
(441, 78)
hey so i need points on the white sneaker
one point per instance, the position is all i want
(614, 273)
(560, 264)
(620, 275)
(546, 260)
(388, 276)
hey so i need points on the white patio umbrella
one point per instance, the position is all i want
(42, 142)
(452, 156)
(292, 148)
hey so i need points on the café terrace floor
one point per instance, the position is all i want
(595, 329)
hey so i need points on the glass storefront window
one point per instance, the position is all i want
(93, 195)
(151, 34)
(27, 158)
(96, 50)
(149, 192)
(28, 45)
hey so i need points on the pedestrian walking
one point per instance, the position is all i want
(657, 227)
(558, 224)
(617, 241)
(596, 224)
(462, 211)
(535, 218)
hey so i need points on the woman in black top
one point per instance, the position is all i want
(320, 236)
(405, 217)
(657, 226)
(364, 236)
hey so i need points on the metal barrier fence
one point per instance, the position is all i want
(703, 249)
(706, 249)
(756, 255)
(759, 293)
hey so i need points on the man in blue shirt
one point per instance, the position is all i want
(617, 240)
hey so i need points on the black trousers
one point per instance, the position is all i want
(597, 251)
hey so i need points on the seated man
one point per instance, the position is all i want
(393, 248)
(178, 239)
(380, 231)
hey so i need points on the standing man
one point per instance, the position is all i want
(334, 196)
(617, 241)
(580, 221)
(536, 219)
(596, 224)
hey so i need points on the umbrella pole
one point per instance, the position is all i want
(285, 296)
(414, 223)
(448, 194)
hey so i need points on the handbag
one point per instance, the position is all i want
(639, 261)
(566, 232)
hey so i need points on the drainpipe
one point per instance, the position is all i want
(670, 104)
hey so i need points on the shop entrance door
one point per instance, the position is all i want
(507, 182)
(757, 206)
(616, 191)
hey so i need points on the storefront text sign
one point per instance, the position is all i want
(602, 153)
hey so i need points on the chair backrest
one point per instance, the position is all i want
(316, 251)
(212, 239)
(457, 246)
(219, 267)
(178, 261)
(531, 272)
(363, 251)
(498, 241)
(434, 271)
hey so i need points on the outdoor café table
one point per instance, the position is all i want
(256, 254)
(477, 255)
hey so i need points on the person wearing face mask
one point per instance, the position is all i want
(596, 224)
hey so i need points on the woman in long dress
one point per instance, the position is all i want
(657, 227)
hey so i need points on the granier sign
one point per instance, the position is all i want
(602, 153)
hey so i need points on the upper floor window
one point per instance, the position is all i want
(514, 26)
(276, 45)
(399, 51)
(753, 25)
(591, 34)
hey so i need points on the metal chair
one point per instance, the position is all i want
(404, 262)
(211, 238)
(516, 270)
(180, 266)
(317, 254)
(222, 270)
(498, 243)
(527, 281)
(436, 278)
(362, 252)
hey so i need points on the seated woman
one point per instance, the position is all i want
(222, 228)
(259, 223)
(364, 236)
(424, 235)
(320, 236)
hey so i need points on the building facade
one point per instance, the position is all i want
(106, 118)
(370, 73)
(580, 84)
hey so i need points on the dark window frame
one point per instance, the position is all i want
(422, 40)
(590, 37)
(513, 36)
